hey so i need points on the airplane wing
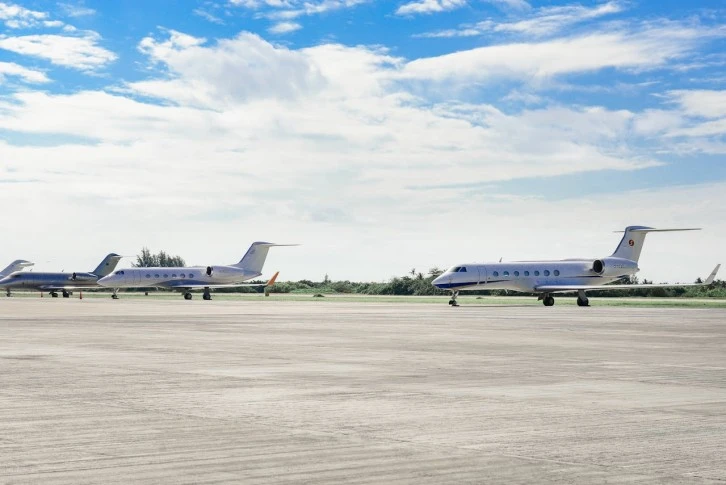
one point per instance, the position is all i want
(566, 288)
(67, 287)
(185, 286)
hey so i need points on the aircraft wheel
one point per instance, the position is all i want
(66, 294)
(583, 301)
(548, 301)
(187, 296)
(54, 294)
(207, 296)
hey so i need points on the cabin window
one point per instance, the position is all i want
(496, 273)
(526, 273)
(536, 273)
(191, 275)
(546, 272)
(156, 275)
(516, 273)
(166, 275)
(173, 275)
(557, 272)
(506, 273)
(148, 275)
(182, 275)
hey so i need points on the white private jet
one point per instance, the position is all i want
(569, 275)
(186, 279)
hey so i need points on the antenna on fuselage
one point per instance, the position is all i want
(500, 259)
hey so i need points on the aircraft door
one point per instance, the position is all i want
(482, 275)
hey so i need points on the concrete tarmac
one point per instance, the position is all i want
(144, 391)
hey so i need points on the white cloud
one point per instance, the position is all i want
(544, 21)
(76, 10)
(327, 147)
(18, 17)
(284, 28)
(208, 16)
(18, 71)
(81, 53)
(292, 9)
(700, 102)
(646, 49)
(429, 6)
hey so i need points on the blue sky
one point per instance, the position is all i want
(407, 133)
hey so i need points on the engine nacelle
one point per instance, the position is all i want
(82, 277)
(614, 267)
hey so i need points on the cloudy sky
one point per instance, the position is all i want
(382, 136)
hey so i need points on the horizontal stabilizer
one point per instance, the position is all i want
(651, 229)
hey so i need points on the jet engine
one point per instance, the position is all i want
(83, 277)
(614, 266)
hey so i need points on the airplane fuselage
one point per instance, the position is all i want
(179, 276)
(45, 281)
(526, 276)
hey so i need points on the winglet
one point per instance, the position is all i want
(712, 276)
(272, 280)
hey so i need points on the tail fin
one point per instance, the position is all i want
(254, 258)
(631, 244)
(107, 265)
(16, 265)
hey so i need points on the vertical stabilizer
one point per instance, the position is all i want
(107, 265)
(631, 244)
(254, 258)
(16, 265)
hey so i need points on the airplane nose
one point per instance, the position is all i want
(439, 281)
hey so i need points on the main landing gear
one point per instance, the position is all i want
(547, 300)
(207, 295)
(188, 295)
(66, 294)
(54, 294)
(452, 302)
(582, 299)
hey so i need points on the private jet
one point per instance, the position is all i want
(55, 282)
(545, 278)
(187, 279)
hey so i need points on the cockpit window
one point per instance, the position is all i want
(454, 269)
(462, 269)
(120, 273)
(17, 276)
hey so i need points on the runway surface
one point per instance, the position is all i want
(142, 391)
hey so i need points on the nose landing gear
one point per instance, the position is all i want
(452, 302)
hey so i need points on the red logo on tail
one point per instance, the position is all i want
(631, 243)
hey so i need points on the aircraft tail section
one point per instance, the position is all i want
(16, 265)
(107, 265)
(254, 258)
(631, 244)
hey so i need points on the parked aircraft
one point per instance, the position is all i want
(54, 282)
(570, 275)
(186, 279)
